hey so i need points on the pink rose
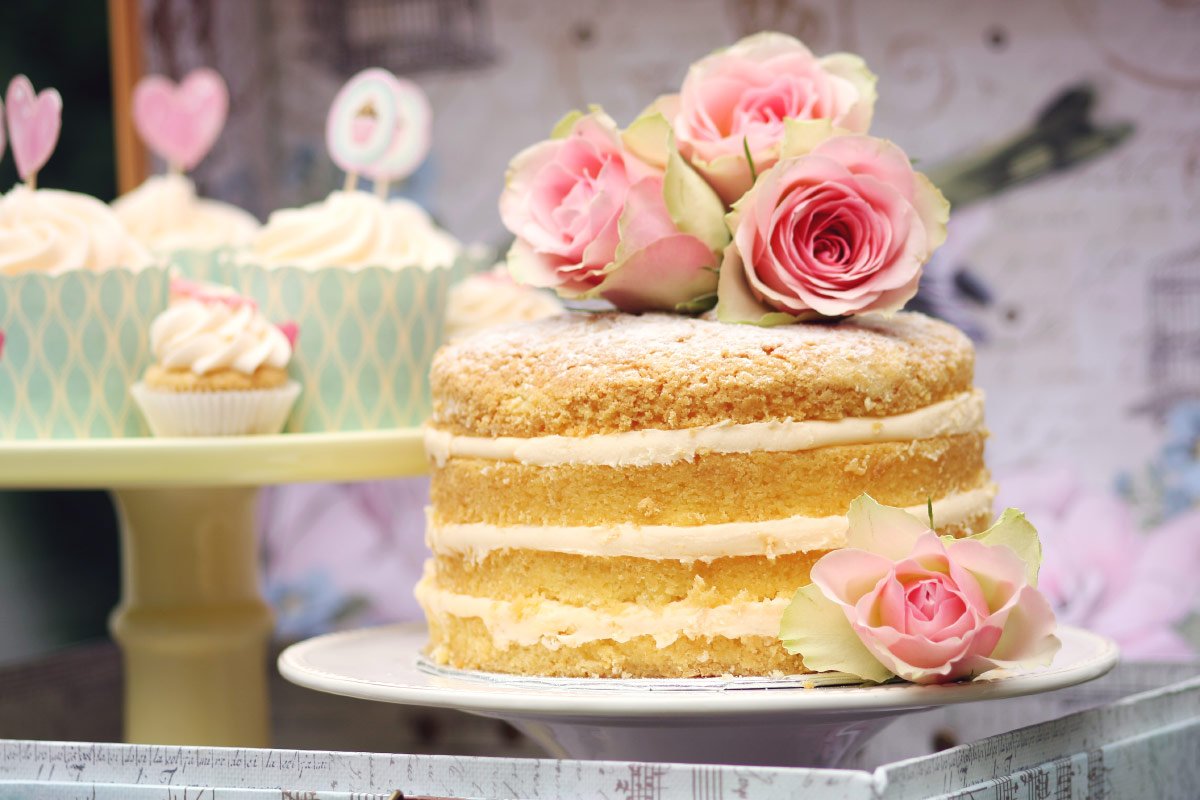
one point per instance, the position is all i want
(741, 98)
(593, 220)
(842, 230)
(926, 609)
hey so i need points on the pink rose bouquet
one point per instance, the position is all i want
(823, 220)
(844, 229)
(592, 219)
(902, 601)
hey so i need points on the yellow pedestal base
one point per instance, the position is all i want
(192, 625)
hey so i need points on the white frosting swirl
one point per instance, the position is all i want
(354, 229)
(208, 336)
(49, 230)
(494, 298)
(165, 214)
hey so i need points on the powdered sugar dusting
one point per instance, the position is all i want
(581, 373)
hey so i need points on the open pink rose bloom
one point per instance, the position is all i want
(592, 220)
(844, 229)
(901, 601)
(741, 99)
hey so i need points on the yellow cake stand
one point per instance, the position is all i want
(192, 623)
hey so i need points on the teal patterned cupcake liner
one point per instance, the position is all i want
(74, 344)
(211, 266)
(366, 340)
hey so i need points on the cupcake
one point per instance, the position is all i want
(493, 298)
(165, 215)
(220, 368)
(77, 293)
(365, 279)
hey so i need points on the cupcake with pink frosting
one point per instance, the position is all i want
(220, 367)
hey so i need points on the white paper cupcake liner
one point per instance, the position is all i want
(235, 413)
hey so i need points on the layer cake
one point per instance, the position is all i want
(620, 495)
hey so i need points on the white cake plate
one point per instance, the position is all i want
(708, 721)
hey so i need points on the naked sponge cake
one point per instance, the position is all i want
(641, 495)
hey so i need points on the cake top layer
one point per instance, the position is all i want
(580, 374)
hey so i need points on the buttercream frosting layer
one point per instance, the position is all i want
(962, 413)
(684, 543)
(554, 625)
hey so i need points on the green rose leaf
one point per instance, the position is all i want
(816, 628)
(698, 305)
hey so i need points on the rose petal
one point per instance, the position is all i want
(817, 628)
(662, 275)
(735, 302)
(998, 570)
(529, 267)
(1028, 626)
(868, 155)
(888, 532)
(847, 575)
(853, 69)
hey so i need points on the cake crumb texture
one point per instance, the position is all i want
(579, 374)
(712, 489)
(464, 643)
(225, 380)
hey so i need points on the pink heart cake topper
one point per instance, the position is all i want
(34, 120)
(181, 123)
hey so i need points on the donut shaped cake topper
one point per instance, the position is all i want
(181, 123)
(379, 127)
(34, 121)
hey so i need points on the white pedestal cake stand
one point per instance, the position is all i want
(716, 721)
(192, 624)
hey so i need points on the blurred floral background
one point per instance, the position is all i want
(1065, 132)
